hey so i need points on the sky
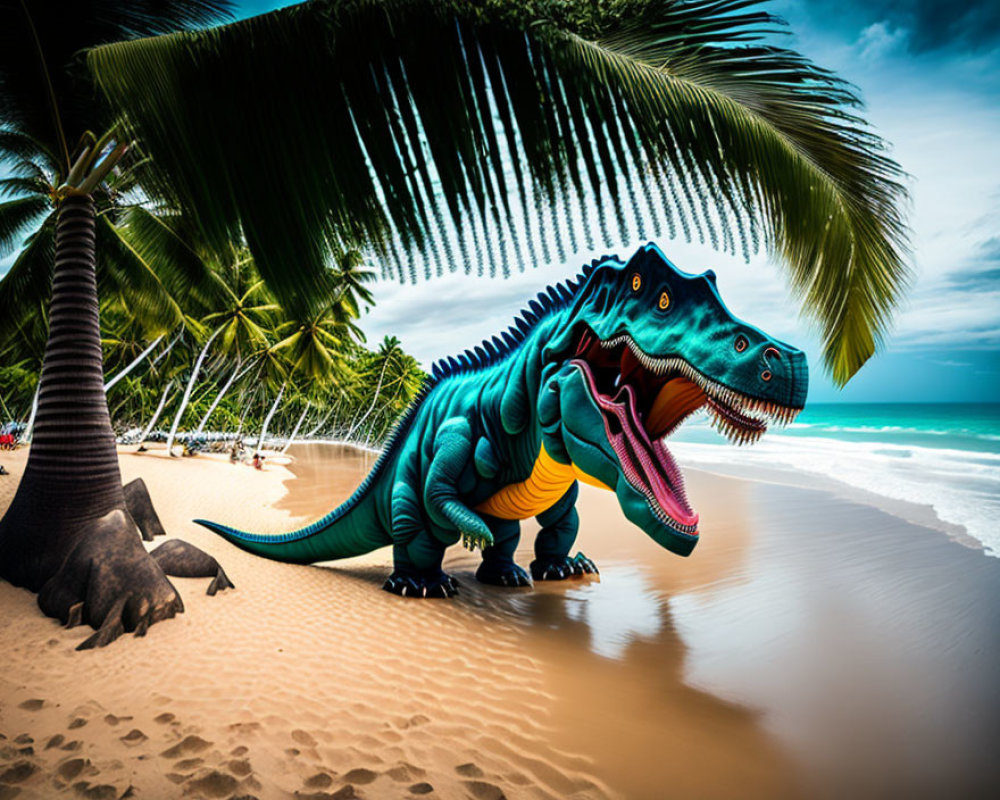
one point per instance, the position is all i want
(930, 75)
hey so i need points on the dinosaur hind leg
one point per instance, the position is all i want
(498, 567)
(417, 569)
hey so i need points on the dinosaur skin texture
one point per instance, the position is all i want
(587, 384)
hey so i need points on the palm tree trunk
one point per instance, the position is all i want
(5, 410)
(187, 391)
(138, 360)
(378, 389)
(267, 419)
(295, 430)
(323, 421)
(156, 414)
(67, 534)
(30, 427)
(222, 392)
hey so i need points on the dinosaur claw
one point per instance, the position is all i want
(561, 568)
(420, 585)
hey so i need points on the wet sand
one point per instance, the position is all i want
(809, 647)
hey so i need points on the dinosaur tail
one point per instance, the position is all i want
(349, 530)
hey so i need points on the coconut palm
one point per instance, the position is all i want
(86, 562)
(130, 240)
(352, 277)
(435, 132)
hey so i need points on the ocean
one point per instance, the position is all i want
(942, 455)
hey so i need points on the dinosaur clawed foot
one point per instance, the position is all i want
(558, 569)
(502, 574)
(407, 583)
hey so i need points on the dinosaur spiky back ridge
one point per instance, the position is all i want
(496, 349)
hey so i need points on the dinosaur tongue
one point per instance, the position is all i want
(649, 462)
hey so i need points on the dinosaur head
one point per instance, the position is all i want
(645, 345)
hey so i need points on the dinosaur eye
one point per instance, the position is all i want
(636, 282)
(664, 301)
(765, 375)
(741, 345)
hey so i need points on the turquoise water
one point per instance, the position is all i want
(942, 455)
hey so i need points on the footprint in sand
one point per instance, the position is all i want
(404, 773)
(240, 767)
(485, 791)
(55, 741)
(360, 775)
(18, 773)
(213, 784)
(23, 739)
(164, 718)
(319, 781)
(189, 764)
(103, 791)
(242, 750)
(32, 705)
(79, 722)
(76, 744)
(111, 719)
(134, 737)
(303, 738)
(469, 770)
(421, 788)
(71, 769)
(186, 747)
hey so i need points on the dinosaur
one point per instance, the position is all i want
(585, 386)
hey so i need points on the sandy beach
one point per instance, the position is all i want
(810, 647)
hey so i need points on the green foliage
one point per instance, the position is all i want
(456, 131)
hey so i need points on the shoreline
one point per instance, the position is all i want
(810, 647)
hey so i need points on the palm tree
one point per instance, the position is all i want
(352, 277)
(435, 131)
(86, 561)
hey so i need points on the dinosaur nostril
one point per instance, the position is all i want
(765, 375)
(771, 352)
(741, 343)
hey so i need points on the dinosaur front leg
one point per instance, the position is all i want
(560, 524)
(453, 453)
(498, 567)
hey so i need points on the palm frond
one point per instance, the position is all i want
(182, 271)
(43, 82)
(123, 269)
(16, 217)
(458, 135)
(25, 289)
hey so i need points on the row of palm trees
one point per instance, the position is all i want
(241, 365)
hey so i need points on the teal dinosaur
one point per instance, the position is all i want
(586, 385)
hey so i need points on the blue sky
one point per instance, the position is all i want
(930, 73)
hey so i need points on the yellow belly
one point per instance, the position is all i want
(548, 481)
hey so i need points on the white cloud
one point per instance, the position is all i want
(879, 40)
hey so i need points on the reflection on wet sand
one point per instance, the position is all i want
(810, 647)
(609, 650)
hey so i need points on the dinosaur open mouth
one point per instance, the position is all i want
(643, 399)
